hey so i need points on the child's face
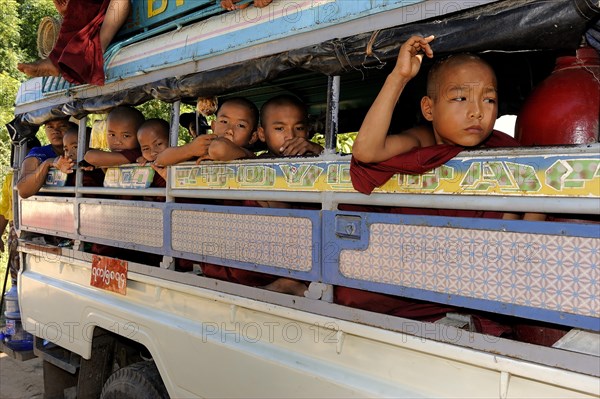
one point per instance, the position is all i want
(55, 130)
(70, 146)
(235, 122)
(121, 135)
(152, 142)
(466, 106)
(282, 123)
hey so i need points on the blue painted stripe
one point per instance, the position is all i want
(590, 230)
(262, 26)
(544, 315)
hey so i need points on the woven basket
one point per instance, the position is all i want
(47, 35)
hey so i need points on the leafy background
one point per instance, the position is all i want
(18, 34)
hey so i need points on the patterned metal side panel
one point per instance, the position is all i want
(576, 175)
(48, 215)
(135, 224)
(278, 241)
(550, 272)
(130, 176)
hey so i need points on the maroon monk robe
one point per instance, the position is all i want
(366, 176)
(78, 52)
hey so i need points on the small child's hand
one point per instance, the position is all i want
(161, 170)
(86, 166)
(411, 56)
(201, 143)
(142, 161)
(65, 164)
(300, 146)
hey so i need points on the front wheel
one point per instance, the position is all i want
(137, 381)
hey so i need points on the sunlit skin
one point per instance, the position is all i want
(285, 131)
(235, 123)
(66, 161)
(54, 131)
(230, 5)
(121, 135)
(465, 108)
(70, 145)
(152, 142)
(233, 130)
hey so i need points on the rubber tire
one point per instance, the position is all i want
(137, 381)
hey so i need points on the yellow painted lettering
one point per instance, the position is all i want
(155, 11)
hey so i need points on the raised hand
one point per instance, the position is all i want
(65, 164)
(411, 55)
(200, 144)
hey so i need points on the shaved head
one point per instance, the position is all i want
(127, 114)
(440, 74)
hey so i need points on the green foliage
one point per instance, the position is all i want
(9, 37)
(8, 90)
(344, 141)
(33, 11)
(161, 109)
(18, 34)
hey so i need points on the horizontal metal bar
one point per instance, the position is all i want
(150, 192)
(255, 195)
(569, 205)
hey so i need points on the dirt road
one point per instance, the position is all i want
(21, 380)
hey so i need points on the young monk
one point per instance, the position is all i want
(462, 106)
(153, 137)
(86, 31)
(284, 128)
(234, 130)
(122, 124)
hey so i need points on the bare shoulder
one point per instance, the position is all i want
(418, 136)
(423, 134)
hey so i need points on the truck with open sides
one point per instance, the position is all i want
(112, 328)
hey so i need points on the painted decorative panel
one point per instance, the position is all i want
(129, 176)
(556, 175)
(135, 224)
(278, 241)
(550, 272)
